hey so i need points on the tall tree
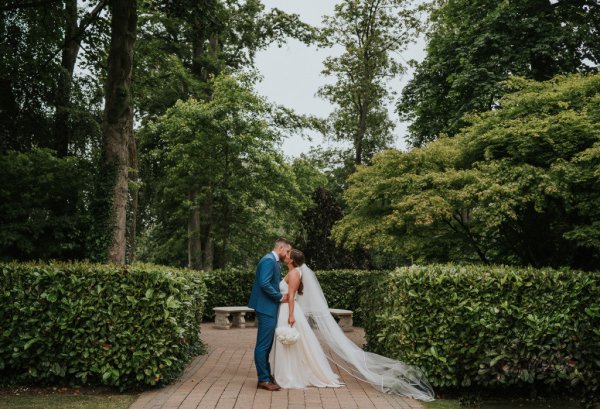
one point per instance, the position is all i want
(29, 38)
(474, 45)
(519, 185)
(73, 33)
(197, 41)
(226, 150)
(372, 33)
(118, 118)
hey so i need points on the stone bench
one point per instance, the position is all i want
(344, 317)
(238, 315)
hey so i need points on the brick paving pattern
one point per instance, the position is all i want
(225, 378)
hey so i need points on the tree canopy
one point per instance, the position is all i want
(519, 185)
(474, 45)
(226, 150)
(372, 33)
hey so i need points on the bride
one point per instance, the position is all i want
(305, 363)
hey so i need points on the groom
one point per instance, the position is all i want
(265, 299)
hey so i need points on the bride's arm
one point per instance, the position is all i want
(293, 283)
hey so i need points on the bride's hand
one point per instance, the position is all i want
(291, 321)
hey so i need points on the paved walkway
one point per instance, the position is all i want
(225, 378)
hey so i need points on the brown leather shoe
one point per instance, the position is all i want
(268, 386)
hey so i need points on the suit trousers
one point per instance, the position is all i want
(264, 343)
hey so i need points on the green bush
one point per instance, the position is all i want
(44, 206)
(91, 324)
(227, 287)
(342, 288)
(474, 326)
(345, 289)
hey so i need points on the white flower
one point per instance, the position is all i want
(287, 335)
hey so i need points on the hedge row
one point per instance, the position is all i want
(97, 324)
(490, 326)
(465, 326)
(342, 288)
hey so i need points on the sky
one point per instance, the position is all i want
(292, 73)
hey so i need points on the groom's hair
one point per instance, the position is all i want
(282, 241)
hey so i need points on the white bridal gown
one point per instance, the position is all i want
(304, 363)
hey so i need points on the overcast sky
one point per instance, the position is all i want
(292, 73)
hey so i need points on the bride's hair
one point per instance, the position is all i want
(298, 259)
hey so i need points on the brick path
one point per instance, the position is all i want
(225, 378)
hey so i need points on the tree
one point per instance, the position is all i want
(36, 224)
(73, 33)
(187, 44)
(519, 185)
(118, 119)
(44, 103)
(371, 32)
(226, 149)
(314, 239)
(182, 43)
(28, 40)
(475, 45)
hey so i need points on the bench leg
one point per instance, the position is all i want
(346, 323)
(239, 320)
(222, 320)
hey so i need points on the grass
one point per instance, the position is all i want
(67, 402)
(505, 404)
(53, 398)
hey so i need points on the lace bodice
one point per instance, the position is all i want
(283, 287)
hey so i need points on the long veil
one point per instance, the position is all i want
(385, 374)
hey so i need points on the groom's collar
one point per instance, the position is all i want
(276, 256)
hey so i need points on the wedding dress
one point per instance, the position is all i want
(304, 363)
(385, 374)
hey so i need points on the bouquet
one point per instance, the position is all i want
(287, 335)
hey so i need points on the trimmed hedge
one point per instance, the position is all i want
(472, 326)
(92, 324)
(345, 289)
(227, 288)
(342, 288)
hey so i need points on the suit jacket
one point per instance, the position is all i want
(265, 296)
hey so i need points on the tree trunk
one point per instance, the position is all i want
(207, 230)
(10, 138)
(118, 117)
(360, 135)
(62, 130)
(194, 233)
(134, 197)
(543, 66)
(194, 239)
(209, 251)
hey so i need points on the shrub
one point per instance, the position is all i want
(44, 206)
(342, 288)
(94, 324)
(227, 287)
(473, 326)
(345, 289)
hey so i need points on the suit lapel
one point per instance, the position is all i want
(278, 270)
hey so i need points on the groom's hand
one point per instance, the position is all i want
(285, 298)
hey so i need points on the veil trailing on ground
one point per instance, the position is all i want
(383, 373)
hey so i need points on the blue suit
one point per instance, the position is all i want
(265, 298)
